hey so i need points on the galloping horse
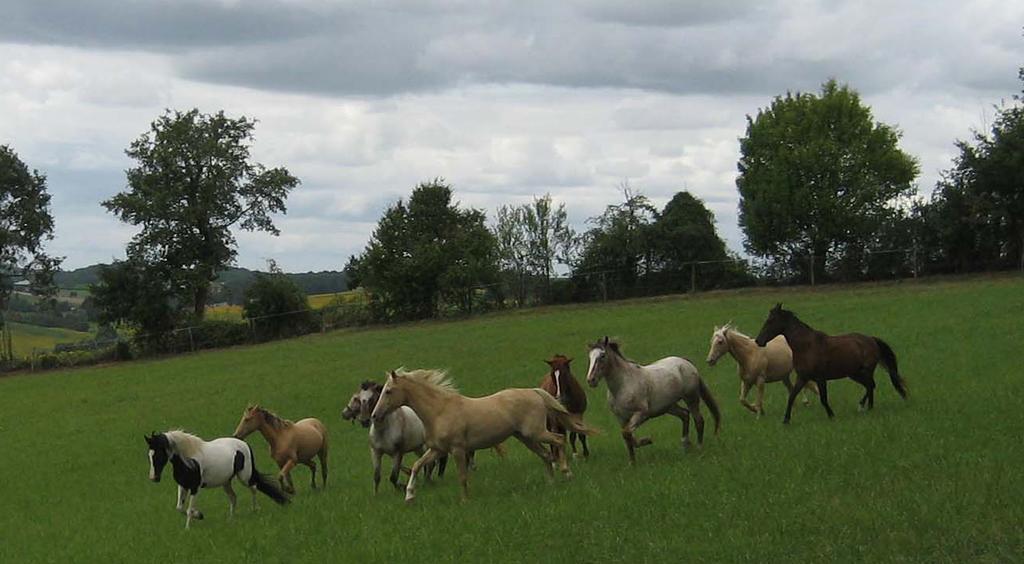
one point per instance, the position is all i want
(756, 365)
(819, 357)
(561, 384)
(457, 424)
(399, 433)
(290, 442)
(638, 393)
(200, 464)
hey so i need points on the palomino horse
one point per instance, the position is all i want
(560, 382)
(290, 443)
(399, 433)
(457, 424)
(200, 464)
(819, 358)
(638, 393)
(756, 365)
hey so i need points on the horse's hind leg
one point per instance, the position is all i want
(322, 455)
(698, 420)
(572, 443)
(232, 498)
(684, 415)
(462, 461)
(583, 443)
(539, 450)
(557, 443)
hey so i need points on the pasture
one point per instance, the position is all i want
(937, 478)
(26, 337)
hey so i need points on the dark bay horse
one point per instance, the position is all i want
(561, 384)
(819, 357)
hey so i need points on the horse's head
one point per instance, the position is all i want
(600, 359)
(777, 322)
(251, 420)
(561, 373)
(367, 398)
(390, 397)
(351, 410)
(719, 344)
(159, 453)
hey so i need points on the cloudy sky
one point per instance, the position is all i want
(505, 99)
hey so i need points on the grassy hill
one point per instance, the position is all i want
(936, 478)
(26, 337)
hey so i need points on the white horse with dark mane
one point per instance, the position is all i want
(637, 393)
(200, 464)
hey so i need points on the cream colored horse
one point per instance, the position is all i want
(291, 443)
(457, 425)
(756, 365)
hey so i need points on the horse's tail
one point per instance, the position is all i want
(264, 484)
(888, 359)
(705, 394)
(559, 413)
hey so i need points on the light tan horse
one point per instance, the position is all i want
(457, 425)
(756, 365)
(290, 443)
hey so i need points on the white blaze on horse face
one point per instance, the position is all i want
(595, 355)
(152, 469)
(558, 384)
(717, 348)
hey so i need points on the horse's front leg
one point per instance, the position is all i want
(744, 392)
(193, 512)
(823, 394)
(396, 469)
(285, 478)
(760, 397)
(800, 383)
(410, 488)
(375, 456)
(628, 436)
(182, 493)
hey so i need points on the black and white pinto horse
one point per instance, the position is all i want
(200, 464)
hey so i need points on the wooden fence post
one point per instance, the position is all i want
(191, 342)
(693, 278)
(812, 270)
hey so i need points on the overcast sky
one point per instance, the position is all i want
(506, 100)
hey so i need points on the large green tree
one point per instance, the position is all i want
(425, 254)
(192, 183)
(685, 232)
(25, 225)
(620, 245)
(818, 175)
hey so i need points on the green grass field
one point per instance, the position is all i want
(934, 479)
(25, 337)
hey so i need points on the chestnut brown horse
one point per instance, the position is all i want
(819, 358)
(561, 384)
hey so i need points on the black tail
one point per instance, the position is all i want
(889, 361)
(705, 394)
(265, 485)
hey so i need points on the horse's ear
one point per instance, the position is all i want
(568, 360)
(778, 306)
(550, 362)
(394, 374)
(606, 340)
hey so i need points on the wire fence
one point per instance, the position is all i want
(511, 291)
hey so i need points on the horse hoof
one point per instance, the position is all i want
(197, 515)
(785, 421)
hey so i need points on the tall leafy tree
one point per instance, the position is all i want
(426, 253)
(25, 226)
(512, 248)
(817, 176)
(685, 232)
(193, 182)
(620, 243)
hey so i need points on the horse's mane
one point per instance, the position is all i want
(272, 419)
(729, 327)
(368, 385)
(185, 444)
(436, 379)
(616, 348)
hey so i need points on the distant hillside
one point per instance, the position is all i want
(231, 283)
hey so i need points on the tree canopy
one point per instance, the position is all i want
(818, 175)
(25, 226)
(425, 254)
(193, 182)
(531, 239)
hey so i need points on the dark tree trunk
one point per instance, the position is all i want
(202, 292)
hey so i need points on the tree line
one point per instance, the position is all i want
(824, 189)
